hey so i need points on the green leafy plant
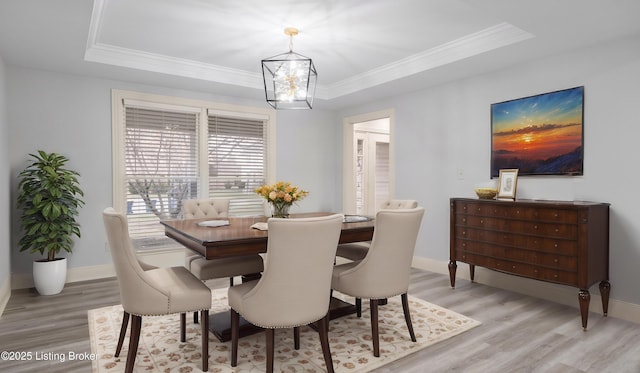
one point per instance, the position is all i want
(49, 197)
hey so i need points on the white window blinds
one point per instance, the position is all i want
(167, 149)
(237, 161)
(160, 167)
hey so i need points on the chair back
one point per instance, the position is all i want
(394, 204)
(385, 271)
(295, 286)
(138, 292)
(205, 208)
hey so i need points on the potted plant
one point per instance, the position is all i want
(49, 197)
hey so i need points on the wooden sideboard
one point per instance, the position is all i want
(555, 241)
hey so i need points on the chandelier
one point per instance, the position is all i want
(289, 78)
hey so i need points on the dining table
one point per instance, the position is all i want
(236, 236)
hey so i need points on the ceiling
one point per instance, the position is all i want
(363, 50)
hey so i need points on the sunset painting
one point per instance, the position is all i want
(539, 135)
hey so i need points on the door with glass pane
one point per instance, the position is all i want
(371, 171)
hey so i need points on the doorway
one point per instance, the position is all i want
(368, 166)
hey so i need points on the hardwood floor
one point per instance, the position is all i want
(518, 333)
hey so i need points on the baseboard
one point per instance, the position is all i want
(5, 294)
(25, 280)
(556, 293)
(165, 258)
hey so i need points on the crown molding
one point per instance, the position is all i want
(498, 36)
(494, 37)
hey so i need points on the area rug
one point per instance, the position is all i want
(160, 349)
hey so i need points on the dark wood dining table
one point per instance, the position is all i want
(238, 238)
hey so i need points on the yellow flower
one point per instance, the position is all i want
(281, 192)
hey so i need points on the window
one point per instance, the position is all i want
(169, 149)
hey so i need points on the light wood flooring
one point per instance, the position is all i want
(518, 333)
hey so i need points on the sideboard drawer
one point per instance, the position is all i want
(542, 244)
(490, 223)
(563, 262)
(552, 214)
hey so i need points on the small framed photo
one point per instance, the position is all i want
(507, 183)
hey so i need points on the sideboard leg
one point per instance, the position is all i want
(584, 298)
(472, 272)
(605, 289)
(452, 272)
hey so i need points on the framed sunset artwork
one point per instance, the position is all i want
(539, 135)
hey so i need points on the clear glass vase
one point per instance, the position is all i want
(280, 210)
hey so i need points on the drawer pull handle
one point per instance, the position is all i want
(464, 244)
(535, 227)
(555, 245)
(555, 260)
(535, 271)
(464, 233)
(556, 214)
(555, 276)
(481, 221)
(557, 230)
(464, 220)
(514, 267)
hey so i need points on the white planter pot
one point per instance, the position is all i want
(49, 277)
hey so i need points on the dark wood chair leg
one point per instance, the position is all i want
(195, 317)
(205, 339)
(183, 327)
(235, 331)
(407, 316)
(323, 328)
(373, 305)
(270, 335)
(123, 332)
(296, 337)
(359, 307)
(134, 338)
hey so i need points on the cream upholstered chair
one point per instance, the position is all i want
(295, 287)
(216, 208)
(384, 271)
(358, 250)
(125, 316)
(155, 291)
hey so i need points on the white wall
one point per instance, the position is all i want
(5, 203)
(442, 130)
(71, 115)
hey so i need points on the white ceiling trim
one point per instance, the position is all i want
(135, 59)
(500, 35)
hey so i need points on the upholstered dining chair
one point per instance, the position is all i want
(155, 291)
(294, 289)
(358, 250)
(204, 269)
(384, 272)
(125, 317)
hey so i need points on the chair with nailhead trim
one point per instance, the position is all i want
(153, 292)
(208, 269)
(294, 289)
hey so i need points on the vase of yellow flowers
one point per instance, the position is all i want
(281, 196)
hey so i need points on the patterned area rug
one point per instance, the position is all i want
(160, 349)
